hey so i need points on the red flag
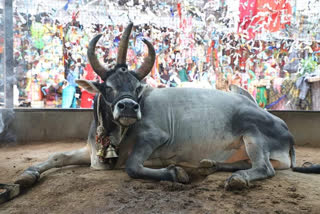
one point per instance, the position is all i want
(248, 10)
(179, 10)
(273, 12)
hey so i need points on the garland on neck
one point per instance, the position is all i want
(105, 150)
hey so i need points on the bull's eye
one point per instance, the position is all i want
(108, 89)
(138, 90)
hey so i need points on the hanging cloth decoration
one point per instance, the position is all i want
(261, 96)
(179, 13)
(171, 12)
(248, 11)
(155, 67)
(37, 33)
(179, 10)
(209, 51)
(216, 57)
(276, 14)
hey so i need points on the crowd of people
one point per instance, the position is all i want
(49, 57)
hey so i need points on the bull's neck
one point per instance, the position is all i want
(112, 129)
(108, 122)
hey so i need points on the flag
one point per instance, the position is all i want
(67, 5)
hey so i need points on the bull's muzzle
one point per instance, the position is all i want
(127, 112)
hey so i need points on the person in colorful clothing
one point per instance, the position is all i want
(69, 99)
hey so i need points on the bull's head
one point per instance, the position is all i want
(121, 89)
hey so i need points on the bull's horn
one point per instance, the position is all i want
(123, 46)
(148, 62)
(97, 67)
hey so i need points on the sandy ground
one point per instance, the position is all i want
(78, 189)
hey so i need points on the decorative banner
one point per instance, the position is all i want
(248, 11)
(271, 14)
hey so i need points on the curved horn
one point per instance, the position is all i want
(148, 62)
(123, 46)
(97, 67)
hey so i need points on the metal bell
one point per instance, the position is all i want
(111, 152)
(100, 152)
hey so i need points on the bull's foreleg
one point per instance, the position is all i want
(261, 165)
(142, 151)
(32, 174)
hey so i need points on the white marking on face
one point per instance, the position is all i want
(116, 113)
(139, 115)
(127, 121)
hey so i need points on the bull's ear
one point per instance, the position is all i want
(92, 87)
(142, 90)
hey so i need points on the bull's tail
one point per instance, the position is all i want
(292, 153)
(314, 168)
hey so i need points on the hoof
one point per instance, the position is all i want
(28, 178)
(307, 164)
(206, 163)
(207, 167)
(8, 191)
(180, 174)
(235, 182)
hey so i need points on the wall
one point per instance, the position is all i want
(69, 124)
(52, 124)
(304, 125)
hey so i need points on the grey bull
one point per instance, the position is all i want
(163, 134)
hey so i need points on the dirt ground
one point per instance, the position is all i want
(78, 189)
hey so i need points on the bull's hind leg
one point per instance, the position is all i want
(75, 157)
(208, 167)
(261, 166)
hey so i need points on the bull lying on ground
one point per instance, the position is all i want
(175, 129)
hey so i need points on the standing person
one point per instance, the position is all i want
(183, 74)
(190, 71)
(212, 76)
(236, 77)
(69, 99)
(221, 80)
(67, 56)
(164, 75)
(174, 79)
(261, 95)
(252, 79)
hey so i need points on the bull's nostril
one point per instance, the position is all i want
(121, 106)
(136, 107)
